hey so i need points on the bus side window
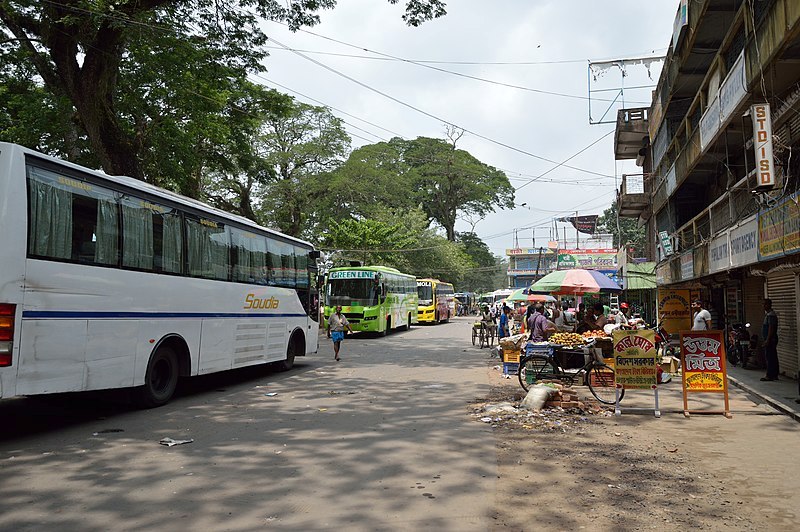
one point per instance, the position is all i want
(209, 249)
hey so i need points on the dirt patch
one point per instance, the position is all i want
(581, 469)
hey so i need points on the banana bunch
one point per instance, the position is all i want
(567, 338)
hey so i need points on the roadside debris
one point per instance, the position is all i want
(560, 409)
(106, 431)
(271, 394)
(169, 442)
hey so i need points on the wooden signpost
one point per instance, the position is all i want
(703, 363)
(635, 363)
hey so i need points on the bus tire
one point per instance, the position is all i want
(388, 326)
(160, 379)
(436, 317)
(292, 350)
(408, 324)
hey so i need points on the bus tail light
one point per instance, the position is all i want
(6, 333)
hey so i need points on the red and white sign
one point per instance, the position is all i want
(762, 144)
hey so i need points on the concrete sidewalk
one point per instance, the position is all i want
(781, 394)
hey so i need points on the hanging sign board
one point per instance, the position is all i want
(703, 363)
(762, 144)
(635, 363)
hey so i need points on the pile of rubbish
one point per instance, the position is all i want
(547, 407)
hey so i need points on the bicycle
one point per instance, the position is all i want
(598, 376)
(484, 333)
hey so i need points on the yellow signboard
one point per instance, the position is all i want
(635, 358)
(674, 311)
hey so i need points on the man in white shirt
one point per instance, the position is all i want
(702, 317)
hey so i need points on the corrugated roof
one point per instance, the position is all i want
(641, 276)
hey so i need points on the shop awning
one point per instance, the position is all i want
(640, 276)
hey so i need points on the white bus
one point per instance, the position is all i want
(108, 282)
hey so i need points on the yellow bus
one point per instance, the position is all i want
(435, 301)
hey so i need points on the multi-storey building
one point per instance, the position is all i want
(720, 204)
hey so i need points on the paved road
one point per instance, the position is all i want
(378, 441)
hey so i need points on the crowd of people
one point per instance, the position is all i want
(540, 320)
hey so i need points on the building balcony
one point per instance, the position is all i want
(631, 135)
(633, 201)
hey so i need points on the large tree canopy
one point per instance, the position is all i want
(432, 174)
(99, 55)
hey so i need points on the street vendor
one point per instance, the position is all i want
(622, 318)
(538, 325)
(594, 319)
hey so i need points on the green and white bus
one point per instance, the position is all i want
(373, 298)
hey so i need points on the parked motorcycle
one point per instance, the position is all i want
(739, 344)
(664, 345)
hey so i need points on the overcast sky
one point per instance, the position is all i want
(557, 38)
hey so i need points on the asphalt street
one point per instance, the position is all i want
(379, 441)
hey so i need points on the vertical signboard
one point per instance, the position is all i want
(703, 363)
(687, 265)
(762, 144)
(681, 20)
(635, 362)
(674, 313)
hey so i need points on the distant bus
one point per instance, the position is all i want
(436, 302)
(466, 301)
(373, 298)
(109, 282)
(495, 297)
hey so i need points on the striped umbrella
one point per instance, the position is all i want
(575, 282)
(523, 294)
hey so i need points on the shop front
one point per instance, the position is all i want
(778, 248)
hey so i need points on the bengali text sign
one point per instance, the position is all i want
(635, 359)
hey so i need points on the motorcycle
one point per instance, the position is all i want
(663, 343)
(739, 344)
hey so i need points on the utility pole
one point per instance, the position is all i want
(577, 232)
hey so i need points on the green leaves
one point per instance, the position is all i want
(627, 234)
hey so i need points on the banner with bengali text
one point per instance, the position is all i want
(635, 362)
(703, 354)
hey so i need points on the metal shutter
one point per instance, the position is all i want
(781, 288)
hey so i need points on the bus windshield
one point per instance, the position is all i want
(351, 292)
(425, 294)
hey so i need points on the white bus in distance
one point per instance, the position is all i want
(109, 282)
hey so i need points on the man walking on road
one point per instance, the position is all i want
(336, 325)
(769, 331)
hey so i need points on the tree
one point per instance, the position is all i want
(449, 181)
(401, 239)
(429, 173)
(627, 234)
(482, 276)
(82, 49)
(301, 146)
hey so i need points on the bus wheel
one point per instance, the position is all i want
(436, 317)
(388, 326)
(160, 380)
(408, 324)
(291, 352)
